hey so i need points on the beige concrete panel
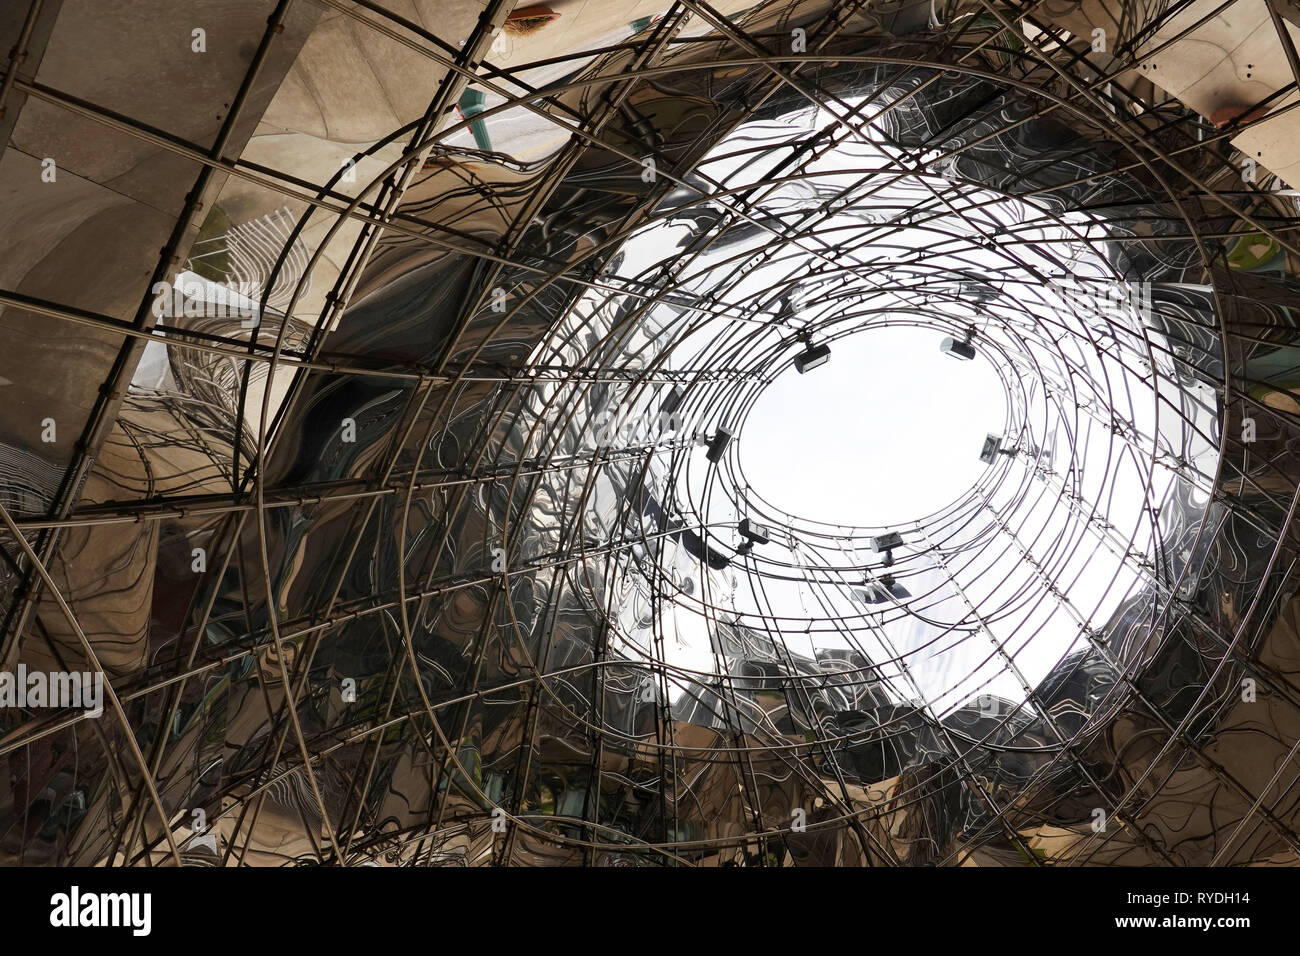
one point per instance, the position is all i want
(150, 72)
(118, 161)
(1232, 61)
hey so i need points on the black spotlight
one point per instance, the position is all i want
(886, 542)
(812, 357)
(756, 533)
(990, 449)
(753, 534)
(994, 446)
(959, 349)
(718, 444)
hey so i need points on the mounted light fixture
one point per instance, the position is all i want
(994, 445)
(718, 444)
(886, 542)
(753, 534)
(812, 357)
(962, 350)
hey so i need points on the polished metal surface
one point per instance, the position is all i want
(426, 549)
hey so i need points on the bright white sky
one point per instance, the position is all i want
(888, 431)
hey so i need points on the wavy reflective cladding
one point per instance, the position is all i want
(438, 624)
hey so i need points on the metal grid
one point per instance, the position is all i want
(497, 576)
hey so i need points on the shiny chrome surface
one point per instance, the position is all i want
(412, 570)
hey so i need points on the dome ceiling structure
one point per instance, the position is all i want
(387, 384)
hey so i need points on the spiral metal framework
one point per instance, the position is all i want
(464, 585)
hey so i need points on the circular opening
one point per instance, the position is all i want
(886, 432)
